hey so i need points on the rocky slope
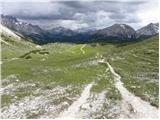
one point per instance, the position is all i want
(25, 29)
(149, 30)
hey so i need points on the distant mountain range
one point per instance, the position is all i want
(114, 33)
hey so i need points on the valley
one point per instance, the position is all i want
(93, 80)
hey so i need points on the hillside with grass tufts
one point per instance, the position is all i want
(68, 80)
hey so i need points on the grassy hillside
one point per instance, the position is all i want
(138, 63)
(56, 74)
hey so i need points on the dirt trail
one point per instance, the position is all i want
(75, 107)
(83, 52)
(5, 42)
(9, 60)
(141, 109)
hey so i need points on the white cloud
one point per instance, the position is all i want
(28, 9)
(72, 24)
(74, 15)
(103, 19)
(148, 13)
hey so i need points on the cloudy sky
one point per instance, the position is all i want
(83, 14)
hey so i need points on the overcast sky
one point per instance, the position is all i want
(83, 14)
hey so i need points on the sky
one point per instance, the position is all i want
(82, 14)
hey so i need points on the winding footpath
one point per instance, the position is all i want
(142, 109)
(83, 52)
(76, 106)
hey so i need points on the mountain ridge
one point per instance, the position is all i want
(113, 33)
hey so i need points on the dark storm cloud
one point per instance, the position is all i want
(90, 13)
(65, 9)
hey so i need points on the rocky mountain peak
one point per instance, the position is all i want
(149, 30)
(117, 31)
(8, 18)
(122, 27)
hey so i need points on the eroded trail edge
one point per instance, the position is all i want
(75, 107)
(141, 109)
